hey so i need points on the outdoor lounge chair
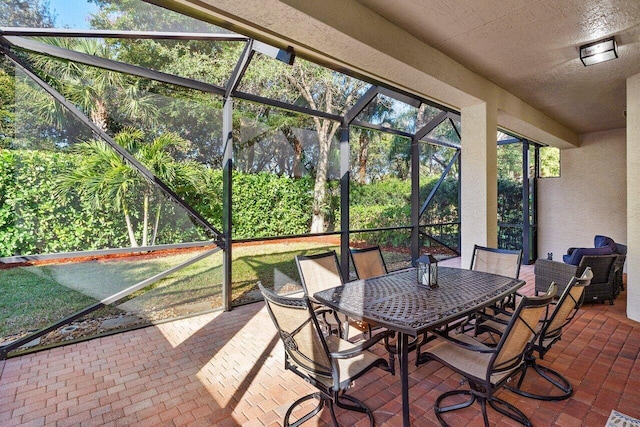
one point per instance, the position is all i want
(603, 285)
(329, 363)
(606, 259)
(487, 369)
(551, 329)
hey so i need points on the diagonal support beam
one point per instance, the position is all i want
(107, 64)
(433, 123)
(361, 104)
(446, 171)
(240, 68)
(113, 144)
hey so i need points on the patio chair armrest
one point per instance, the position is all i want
(361, 346)
(323, 311)
(481, 348)
(481, 316)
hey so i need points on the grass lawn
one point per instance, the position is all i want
(35, 296)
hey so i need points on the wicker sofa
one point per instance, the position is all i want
(607, 271)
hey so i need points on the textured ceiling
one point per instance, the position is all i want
(530, 48)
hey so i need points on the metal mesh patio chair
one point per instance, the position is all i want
(368, 262)
(317, 273)
(487, 369)
(329, 363)
(551, 328)
(504, 262)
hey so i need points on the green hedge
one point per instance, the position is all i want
(266, 205)
(34, 221)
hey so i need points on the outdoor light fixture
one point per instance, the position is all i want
(427, 271)
(600, 51)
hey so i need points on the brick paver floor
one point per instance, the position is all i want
(226, 369)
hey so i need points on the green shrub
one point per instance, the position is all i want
(32, 219)
(265, 205)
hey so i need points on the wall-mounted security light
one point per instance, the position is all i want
(600, 51)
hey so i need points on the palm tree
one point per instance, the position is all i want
(105, 179)
(94, 91)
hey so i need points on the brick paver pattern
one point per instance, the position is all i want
(227, 369)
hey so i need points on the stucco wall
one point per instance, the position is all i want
(589, 198)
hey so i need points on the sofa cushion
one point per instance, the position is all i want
(604, 241)
(622, 249)
(576, 255)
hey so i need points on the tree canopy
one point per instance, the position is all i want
(26, 13)
(266, 139)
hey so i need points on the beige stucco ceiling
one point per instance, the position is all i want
(530, 48)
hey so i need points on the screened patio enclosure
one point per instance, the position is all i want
(152, 175)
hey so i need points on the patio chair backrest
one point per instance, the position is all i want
(567, 306)
(318, 272)
(368, 262)
(299, 331)
(519, 334)
(504, 262)
(601, 267)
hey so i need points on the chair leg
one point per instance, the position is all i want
(322, 401)
(444, 409)
(422, 358)
(356, 405)
(509, 410)
(498, 404)
(392, 349)
(345, 330)
(554, 377)
(332, 412)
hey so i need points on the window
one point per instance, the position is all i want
(549, 162)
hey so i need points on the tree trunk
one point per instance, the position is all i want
(99, 114)
(250, 157)
(363, 157)
(155, 226)
(296, 171)
(127, 218)
(320, 187)
(145, 219)
(325, 129)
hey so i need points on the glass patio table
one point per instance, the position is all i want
(397, 302)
